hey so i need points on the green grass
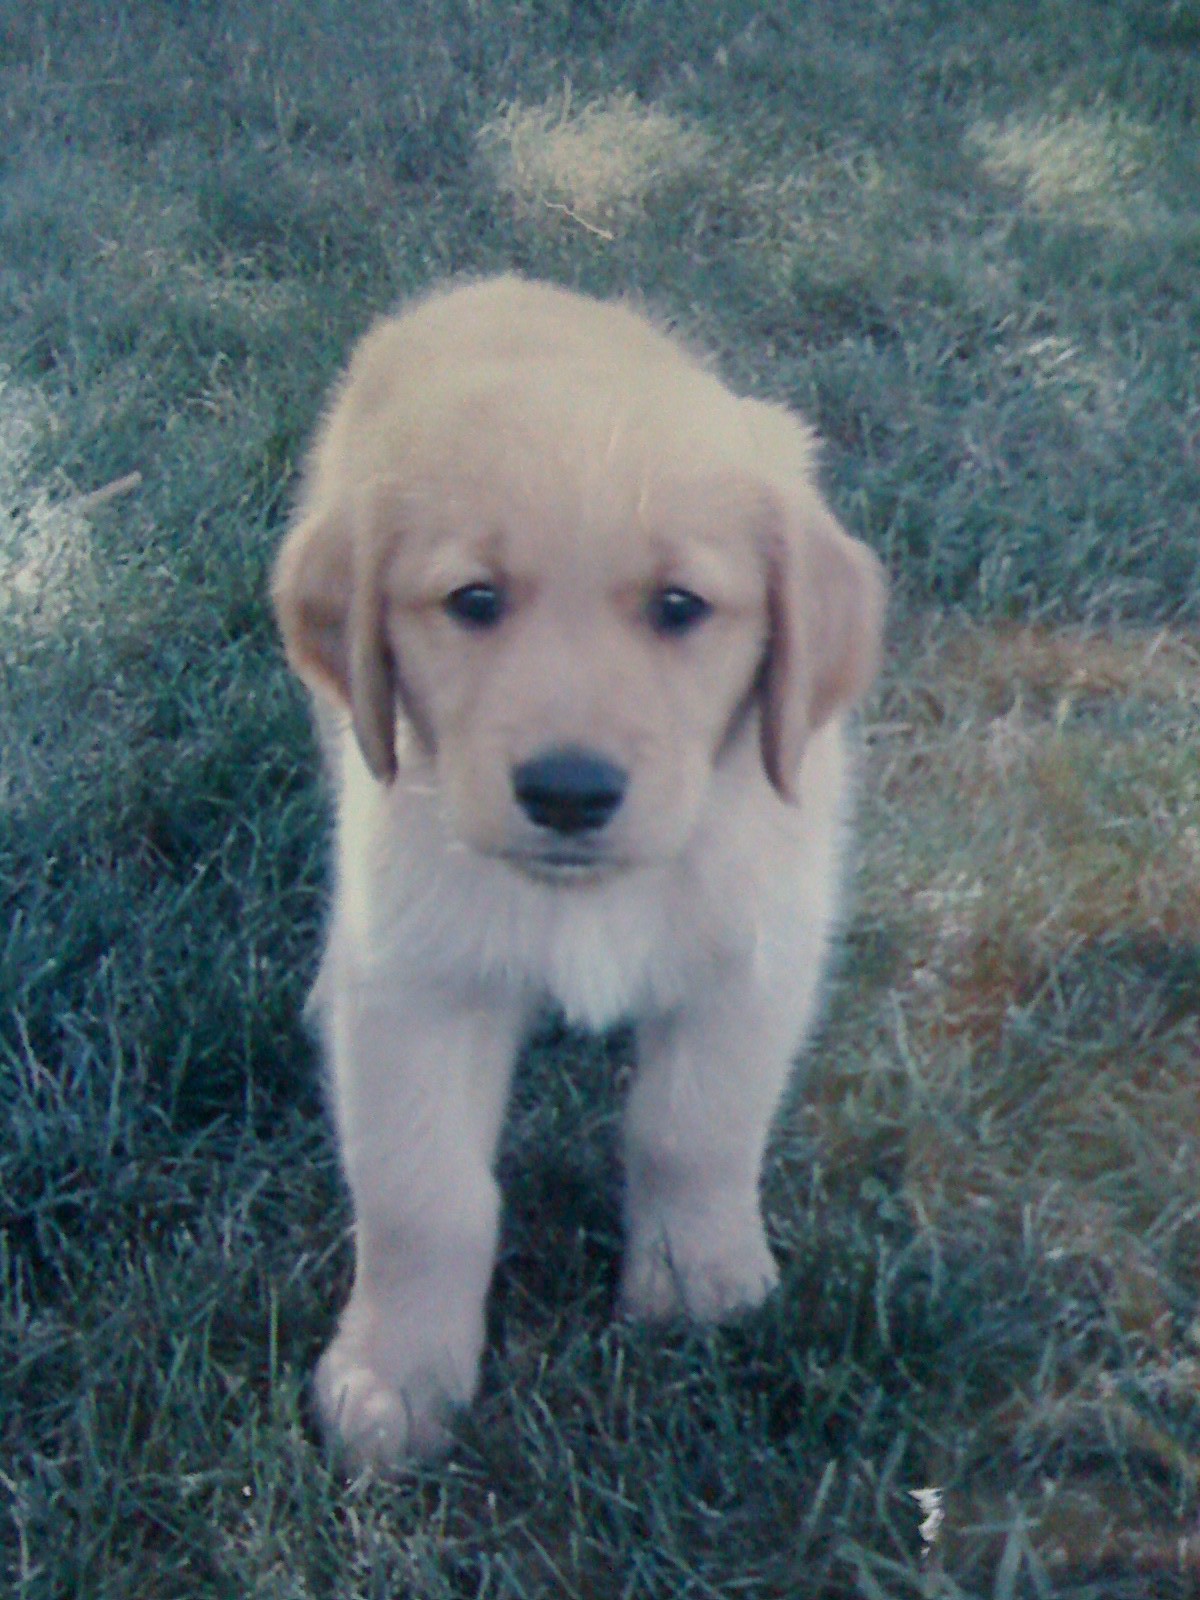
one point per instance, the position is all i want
(965, 242)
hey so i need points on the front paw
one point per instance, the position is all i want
(672, 1274)
(374, 1416)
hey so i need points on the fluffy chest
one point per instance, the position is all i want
(602, 954)
(417, 904)
(424, 908)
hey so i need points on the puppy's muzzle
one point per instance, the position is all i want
(571, 792)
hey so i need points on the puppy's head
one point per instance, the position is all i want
(578, 615)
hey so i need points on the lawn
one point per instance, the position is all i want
(965, 241)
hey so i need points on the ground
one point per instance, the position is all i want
(964, 244)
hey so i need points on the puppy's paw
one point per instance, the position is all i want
(674, 1276)
(373, 1420)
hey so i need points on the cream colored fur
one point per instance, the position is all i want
(579, 461)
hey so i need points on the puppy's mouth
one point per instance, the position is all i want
(564, 868)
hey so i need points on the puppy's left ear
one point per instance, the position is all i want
(825, 606)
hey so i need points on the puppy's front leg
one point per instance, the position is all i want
(710, 1077)
(420, 1085)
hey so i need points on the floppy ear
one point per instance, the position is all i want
(330, 605)
(825, 604)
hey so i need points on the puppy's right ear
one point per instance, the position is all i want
(330, 605)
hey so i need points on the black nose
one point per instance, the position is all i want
(568, 790)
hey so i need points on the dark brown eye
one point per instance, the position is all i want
(675, 611)
(476, 605)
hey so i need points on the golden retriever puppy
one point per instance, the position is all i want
(580, 632)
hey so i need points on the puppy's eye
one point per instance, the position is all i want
(675, 611)
(476, 605)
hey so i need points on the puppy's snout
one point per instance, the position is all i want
(570, 790)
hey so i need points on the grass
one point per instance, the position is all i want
(597, 165)
(965, 245)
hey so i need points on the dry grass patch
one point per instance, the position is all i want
(1060, 764)
(1015, 660)
(597, 163)
(1056, 774)
(1033, 842)
(1085, 165)
(45, 544)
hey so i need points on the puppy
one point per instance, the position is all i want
(581, 633)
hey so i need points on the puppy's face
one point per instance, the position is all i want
(576, 623)
(573, 653)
